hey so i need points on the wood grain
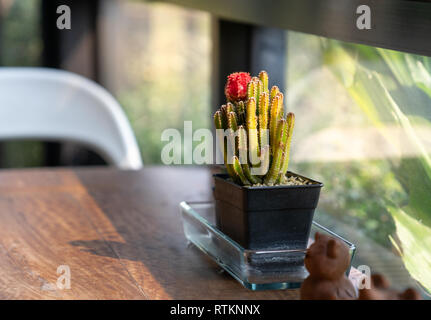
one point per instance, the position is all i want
(119, 232)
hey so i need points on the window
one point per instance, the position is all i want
(155, 58)
(364, 129)
(21, 41)
(21, 45)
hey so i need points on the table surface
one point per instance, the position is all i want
(119, 232)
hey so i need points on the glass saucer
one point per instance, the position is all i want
(255, 270)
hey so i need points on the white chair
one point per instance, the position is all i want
(50, 104)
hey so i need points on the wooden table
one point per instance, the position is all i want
(119, 232)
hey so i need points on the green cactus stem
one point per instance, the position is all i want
(218, 122)
(229, 108)
(242, 145)
(281, 139)
(263, 76)
(232, 134)
(232, 121)
(265, 158)
(290, 118)
(223, 114)
(273, 93)
(253, 179)
(226, 109)
(253, 141)
(263, 167)
(239, 172)
(242, 155)
(259, 91)
(276, 114)
(251, 89)
(263, 119)
(240, 112)
(258, 85)
(254, 90)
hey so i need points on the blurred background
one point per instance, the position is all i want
(154, 58)
(363, 113)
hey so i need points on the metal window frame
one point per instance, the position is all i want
(396, 24)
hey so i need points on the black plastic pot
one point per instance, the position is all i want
(260, 218)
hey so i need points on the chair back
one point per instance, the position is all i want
(50, 104)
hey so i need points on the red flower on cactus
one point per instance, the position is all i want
(236, 86)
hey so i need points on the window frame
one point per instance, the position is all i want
(400, 25)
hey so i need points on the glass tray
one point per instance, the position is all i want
(255, 270)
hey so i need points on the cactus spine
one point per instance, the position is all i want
(258, 134)
(263, 119)
(274, 91)
(252, 131)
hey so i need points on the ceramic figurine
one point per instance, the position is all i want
(327, 260)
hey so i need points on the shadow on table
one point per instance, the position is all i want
(143, 207)
(120, 250)
(100, 248)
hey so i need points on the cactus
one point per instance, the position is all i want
(258, 134)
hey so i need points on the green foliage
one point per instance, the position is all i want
(21, 34)
(385, 194)
(354, 194)
(258, 135)
(21, 46)
(22, 154)
(146, 71)
(398, 94)
(414, 248)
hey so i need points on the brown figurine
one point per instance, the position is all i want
(327, 260)
(380, 291)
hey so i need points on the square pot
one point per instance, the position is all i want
(259, 218)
